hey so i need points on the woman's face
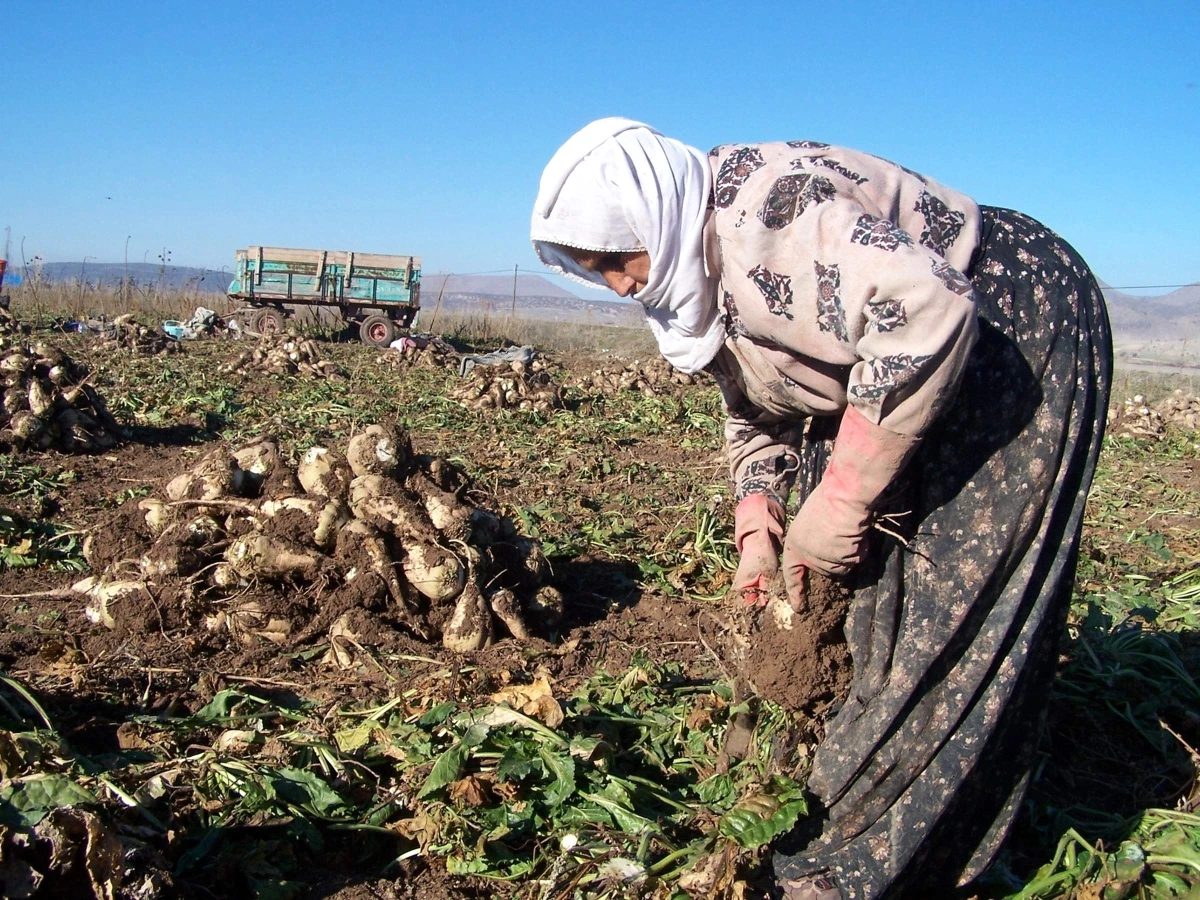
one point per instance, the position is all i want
(625, 273)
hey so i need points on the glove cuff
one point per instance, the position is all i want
(868, 455)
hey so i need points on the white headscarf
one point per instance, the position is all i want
(619, 185)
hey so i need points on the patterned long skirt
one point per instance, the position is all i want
(955, 635)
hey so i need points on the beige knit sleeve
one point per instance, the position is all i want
(909, 315)
(762, 447)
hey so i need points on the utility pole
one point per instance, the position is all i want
(437, 306)
(512, 314)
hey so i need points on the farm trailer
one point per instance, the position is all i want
(379, 293)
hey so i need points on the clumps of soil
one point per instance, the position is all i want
(283, 354)
(798, 657)
(10, 325)
(348, 546)
(50, 404)
(423, 351)
(518, 385)
(1136, 417)
(127, 334)
(652, 378)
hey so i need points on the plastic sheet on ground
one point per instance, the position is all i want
(502, 357)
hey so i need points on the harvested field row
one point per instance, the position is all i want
(284, 728)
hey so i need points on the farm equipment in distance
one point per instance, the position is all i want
(378, 293)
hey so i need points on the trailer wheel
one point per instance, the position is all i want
(377, 330)
(267, 321)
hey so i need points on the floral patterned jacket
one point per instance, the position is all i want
(841, 281)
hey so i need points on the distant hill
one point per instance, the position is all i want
(1159, 329)
(494, 285)
(537, 298)
(211, 281)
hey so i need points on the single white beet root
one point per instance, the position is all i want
(434, 571)
(470, 626)
(272, 558)
(357, 533)
(334, 514)
(504, 605)
(255, 464)
(159, 516)
(26, 427)
(224, 575)
(210, 479)
(378, 451)
(343, 643)
(449, 515)
(486, 526)
(204, 530)
(532, 558)
(179, 550)
(15, 400)
(103, 596)
(170, 558)
(41, 397)
(248, 620)
(323, 472)
(386, 505)
(324, 516)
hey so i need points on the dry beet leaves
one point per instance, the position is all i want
(622, 794)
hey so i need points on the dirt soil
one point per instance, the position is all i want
(798, 657)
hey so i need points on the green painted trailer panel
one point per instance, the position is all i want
(304, 276)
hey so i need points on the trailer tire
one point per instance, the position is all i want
(267, 321)
(377, 330)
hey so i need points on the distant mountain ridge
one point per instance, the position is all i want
(210, 281)
(494, 285)
(1164, 328)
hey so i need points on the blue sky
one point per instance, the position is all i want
(423, 127)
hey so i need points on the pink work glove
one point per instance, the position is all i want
(829, 532)
(758, 533)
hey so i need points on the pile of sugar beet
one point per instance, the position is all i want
(50, 403)
(345, 547)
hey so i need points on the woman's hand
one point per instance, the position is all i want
(829, 532)
(758, 532)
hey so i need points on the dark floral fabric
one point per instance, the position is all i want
(955, 634)
(733, 323)
(839, 168)
(831, 316)
(872, 232)
(739, 166)
(886, 314)
(791, 195)
(887, 374)
(772, 476)
(942, 224)
(807, 145)
(776, 290)
(952, 278)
